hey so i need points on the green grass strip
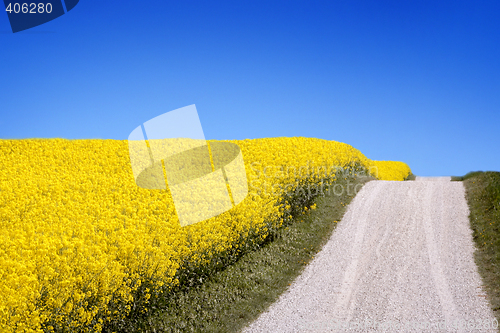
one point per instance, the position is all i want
(483, 197)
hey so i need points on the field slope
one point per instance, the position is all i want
(86, 241)
(483, 197)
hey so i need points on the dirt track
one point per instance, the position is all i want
(400, 260)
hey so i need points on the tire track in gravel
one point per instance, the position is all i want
(440, 282)
(401, 260)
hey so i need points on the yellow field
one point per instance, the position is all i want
(78, 237)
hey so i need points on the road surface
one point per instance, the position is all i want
(401, 260)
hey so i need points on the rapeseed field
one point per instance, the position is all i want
(80, 241)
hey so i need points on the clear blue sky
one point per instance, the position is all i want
(413, 81)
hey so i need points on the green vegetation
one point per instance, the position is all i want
(411, 176)
(228, 299)
(467, 176)
(483, 197)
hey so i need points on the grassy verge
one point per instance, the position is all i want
(411, 177)
(483, 197)
(229, 299)
(467, 176)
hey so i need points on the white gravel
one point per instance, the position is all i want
(401, 260)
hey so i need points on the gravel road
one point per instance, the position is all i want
(401, 260)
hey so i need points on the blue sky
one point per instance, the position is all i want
(413, 81)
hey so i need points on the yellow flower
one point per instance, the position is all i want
(77, 232)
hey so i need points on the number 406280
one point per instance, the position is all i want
(31, 8)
